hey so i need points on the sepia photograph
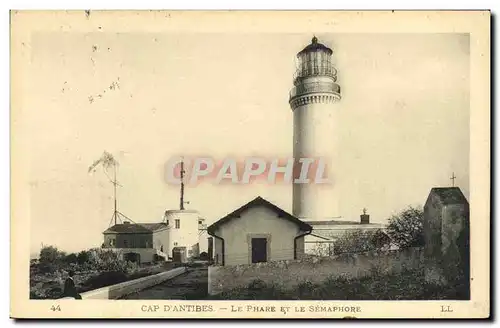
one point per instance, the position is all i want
(181, 171)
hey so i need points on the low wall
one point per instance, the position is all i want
(128, 287)
(313, 269)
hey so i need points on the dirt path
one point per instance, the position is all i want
(192, 285)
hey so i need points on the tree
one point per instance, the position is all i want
(108, 260)
(380, 239)
(406, 227)
(50, 259)
(49, 254)
(83, 257)
(323, 249)
(359, 241)
(70, 258)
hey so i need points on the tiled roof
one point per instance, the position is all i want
(450, 195)
(154, 226)
(259, 201)
(136, 228)
(332, 222)
(320, 235)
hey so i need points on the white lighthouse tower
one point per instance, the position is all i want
(313, 100)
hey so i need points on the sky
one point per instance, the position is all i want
(404, 121)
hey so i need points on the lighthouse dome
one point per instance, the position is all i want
(315, 46)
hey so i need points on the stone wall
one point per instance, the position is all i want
(290, 273)
(128, 287)
(146, 255)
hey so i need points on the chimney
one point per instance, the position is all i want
(126, 222)
(365, 218)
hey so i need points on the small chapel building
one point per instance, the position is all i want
(258, 231)
(447, 225)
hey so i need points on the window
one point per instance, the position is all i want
(167, 222)
(125, 243)
(200, 222)
(175, 244)
(177, 224)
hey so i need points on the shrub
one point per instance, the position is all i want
(257, 284)
(323, 249)
(83, 257)
(95, 268)
(305, 288)
(70, 258)
(406, 227)
(359, 241)
(51, 260)
(108, 260)
(49, 254)
(45, 291)
(380, 240)
(47, 267)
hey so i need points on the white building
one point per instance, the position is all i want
(148, 242)
(187, 229)
(325, 234)
(259, 231)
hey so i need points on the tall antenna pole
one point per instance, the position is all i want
(114, 190)
(182, 185)
(106, 161)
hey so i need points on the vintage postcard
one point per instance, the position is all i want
(265, 164)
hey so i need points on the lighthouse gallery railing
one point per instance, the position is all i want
(314, 87)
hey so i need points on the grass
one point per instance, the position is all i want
(409, 285)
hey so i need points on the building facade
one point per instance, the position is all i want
(446, 223)
(149, 242)
(187, 229)
(141, 243)
(259, 231)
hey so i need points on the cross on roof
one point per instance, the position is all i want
(453, 177)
